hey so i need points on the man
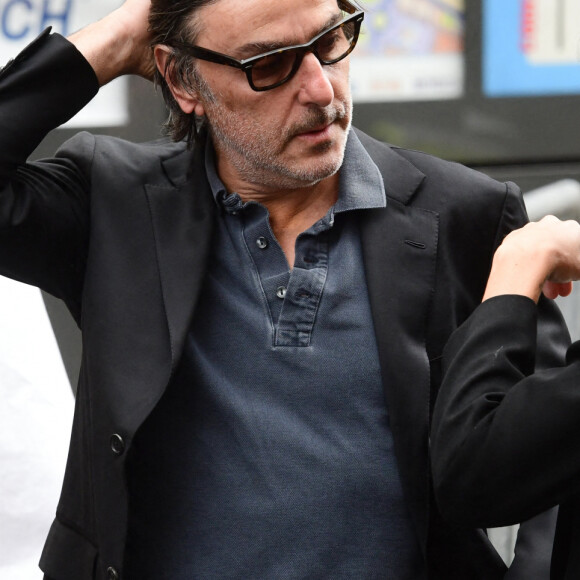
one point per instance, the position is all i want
(262, 316)
(505, 440)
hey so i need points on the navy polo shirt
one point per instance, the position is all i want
(270, 455)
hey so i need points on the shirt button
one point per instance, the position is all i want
(281, 292)
(262, 243)
(112, 574)
(117, 444)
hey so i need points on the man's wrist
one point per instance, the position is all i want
(116, 46)
(102, 49)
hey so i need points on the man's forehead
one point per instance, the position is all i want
(230, 24)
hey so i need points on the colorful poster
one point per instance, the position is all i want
(409, 50)
(21, 21)
(531, 47)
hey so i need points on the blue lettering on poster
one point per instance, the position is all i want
(20, 19)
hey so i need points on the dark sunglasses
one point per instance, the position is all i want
(271, 69)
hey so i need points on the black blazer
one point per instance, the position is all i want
(505, 440)
(121, 233)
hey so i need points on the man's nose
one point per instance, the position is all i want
(316, 87)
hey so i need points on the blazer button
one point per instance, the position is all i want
(112, 574)
(117, 444)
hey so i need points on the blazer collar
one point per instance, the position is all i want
(401, 177)
(182, 213)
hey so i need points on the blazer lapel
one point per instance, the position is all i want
(400, 249)
(182, 214)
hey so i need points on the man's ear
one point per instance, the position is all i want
(188, 101)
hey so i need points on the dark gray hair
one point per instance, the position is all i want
(174, 21)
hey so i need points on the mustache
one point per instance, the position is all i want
(316, 118)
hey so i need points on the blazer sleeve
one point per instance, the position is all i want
(505, 437)
(44, 205)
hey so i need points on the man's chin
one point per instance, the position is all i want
(309, 175)
(323, 161)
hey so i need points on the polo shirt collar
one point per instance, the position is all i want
(360, 182)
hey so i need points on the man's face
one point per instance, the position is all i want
(290, 136)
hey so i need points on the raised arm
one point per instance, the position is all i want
(49, 82)
(44, 209)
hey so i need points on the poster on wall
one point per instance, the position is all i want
(531, 47)
(21, 21)
(409, 50)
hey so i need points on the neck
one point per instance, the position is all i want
(292, 210)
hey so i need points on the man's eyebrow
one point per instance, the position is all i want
(260, 47)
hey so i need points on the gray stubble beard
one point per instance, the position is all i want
(261, 165)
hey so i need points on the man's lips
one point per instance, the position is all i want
(318, 131)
